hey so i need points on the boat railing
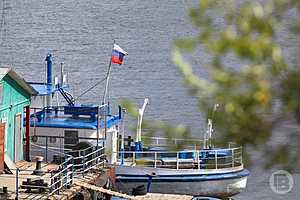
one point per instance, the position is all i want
(163, 141)
(35, 111)
(190, 159)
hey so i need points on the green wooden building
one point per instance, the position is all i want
(15, 96)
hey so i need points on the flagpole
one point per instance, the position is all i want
(107, 79)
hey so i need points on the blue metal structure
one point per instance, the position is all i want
(49, 69)
(69, 117)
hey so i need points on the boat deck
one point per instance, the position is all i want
(62, 120)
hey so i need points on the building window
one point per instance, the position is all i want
(71, 137)
(1, 93)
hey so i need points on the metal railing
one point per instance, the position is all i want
(162, 141)
(191, 159)
(71, 164)
(88, 158)
(63, 177)
(47, 152)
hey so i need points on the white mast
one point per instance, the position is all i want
(141, 111)
(209, 131)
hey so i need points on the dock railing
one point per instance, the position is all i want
(88, 158)
(69, 165)
(190, 159)
(63, 177)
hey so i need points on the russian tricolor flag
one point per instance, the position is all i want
(118, 54)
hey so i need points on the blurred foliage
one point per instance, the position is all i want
(247, 93)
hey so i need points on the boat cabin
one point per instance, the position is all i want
(71, 126)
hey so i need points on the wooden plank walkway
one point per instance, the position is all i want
(149, 196)
(88, 182)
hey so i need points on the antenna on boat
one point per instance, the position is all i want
(209, 131)
(123, 135)
(138, 138)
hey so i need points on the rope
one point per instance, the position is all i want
(90, 88)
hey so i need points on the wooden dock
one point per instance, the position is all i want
(149, 196)
(81, 185)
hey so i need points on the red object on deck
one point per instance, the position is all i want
(27, 147)
(112, 173)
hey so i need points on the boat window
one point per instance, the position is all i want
(71, 137)
(52, 139)
(1, 93)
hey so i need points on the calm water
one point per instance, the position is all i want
(80, 34)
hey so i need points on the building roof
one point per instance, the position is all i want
(12, 74)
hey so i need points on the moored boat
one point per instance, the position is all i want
(205, 171)
(198, 170)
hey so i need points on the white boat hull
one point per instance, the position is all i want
(215, 183)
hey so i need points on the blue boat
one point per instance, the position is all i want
(198, 170)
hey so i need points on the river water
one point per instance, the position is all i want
(81, 33)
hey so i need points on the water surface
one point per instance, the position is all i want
(81, 33)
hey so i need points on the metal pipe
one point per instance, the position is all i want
(123, 135)
(98, 125)
(133, 157)
(46, 153)
(155, 158)
(27, 133)
(232, 157)
(49, 80)
(177, 160)
(49, 69)
(198, 159)
(61, 74)
(216, 159)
